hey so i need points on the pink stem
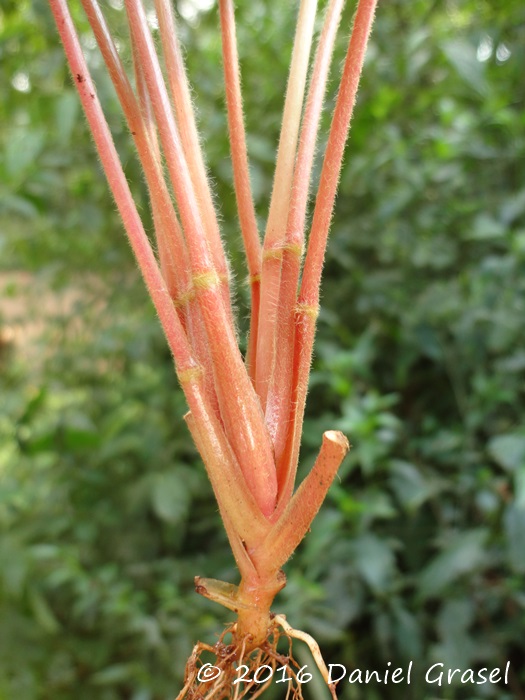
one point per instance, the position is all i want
(229, 485)
(278, 213)
(293, 524)
(121, 192)
(170, 240)
(240, 409)
(279, 396)
(144, 101)
(334, 152)
(308, 302)
(173, 253)
(180, 91)
(228, 481)
(241, 172)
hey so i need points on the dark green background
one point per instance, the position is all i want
(105, 510)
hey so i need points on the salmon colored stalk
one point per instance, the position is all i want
(180, 92)
(278, 212)
(241, 172)
(308, 298)
(240, 409)
(245, 414)
(280, 389)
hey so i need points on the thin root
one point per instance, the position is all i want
(233, 674)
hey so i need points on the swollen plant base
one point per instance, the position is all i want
(250, 601)
(253, 642)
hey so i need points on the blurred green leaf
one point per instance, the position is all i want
(515, 532)
(67, 113)
(462, 554)
(412, 486)
(374, 561)
(170, 497)
(508, 450)
(114, 674)
(42, 612)
(456, 648)
(22, 150)
(462, 55)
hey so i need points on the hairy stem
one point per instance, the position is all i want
(279, 397)
(239, 406)
(275, 228)
(256, 594)
(308, 302)
(241, 172)
(173, 253)
(292, 525)
(180, 91)
(117, 181)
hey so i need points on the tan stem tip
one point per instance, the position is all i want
(337, 437)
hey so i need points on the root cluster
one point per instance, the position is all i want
(235, 672)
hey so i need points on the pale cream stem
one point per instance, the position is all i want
(308, 301)
(312, 645)
(279, 397)
(278, 212)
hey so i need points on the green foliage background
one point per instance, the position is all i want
(105, 511)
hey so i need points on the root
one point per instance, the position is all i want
(233, 673)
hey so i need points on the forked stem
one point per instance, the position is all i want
(251, 601)
(249, 445)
